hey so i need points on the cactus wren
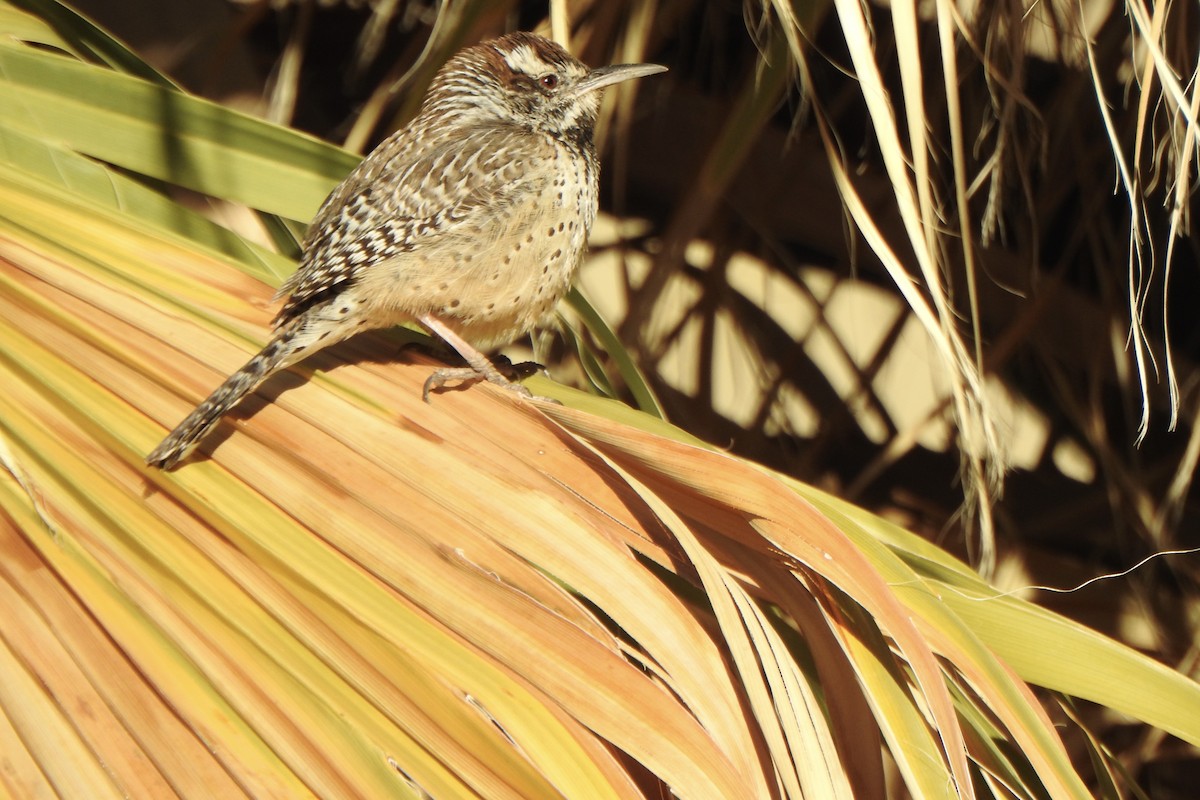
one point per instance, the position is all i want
(470, 221)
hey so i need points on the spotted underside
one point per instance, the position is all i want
(489, 241)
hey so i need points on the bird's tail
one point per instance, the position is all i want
(278, 354)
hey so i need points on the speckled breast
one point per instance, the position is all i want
(501, 274)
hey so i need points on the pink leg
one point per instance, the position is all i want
(480, 368)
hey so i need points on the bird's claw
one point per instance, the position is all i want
(469, 375)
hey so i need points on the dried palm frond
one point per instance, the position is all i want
(351, 592)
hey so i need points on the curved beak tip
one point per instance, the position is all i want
(617, 73)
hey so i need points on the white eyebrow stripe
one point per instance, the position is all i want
(525, 59)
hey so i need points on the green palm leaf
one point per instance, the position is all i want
(355, 593)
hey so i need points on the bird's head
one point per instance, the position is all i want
(526, 80)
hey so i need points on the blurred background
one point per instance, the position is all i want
(938, 264)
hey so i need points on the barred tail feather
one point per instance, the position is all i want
(276, 355)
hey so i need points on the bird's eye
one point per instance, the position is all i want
(549, 81)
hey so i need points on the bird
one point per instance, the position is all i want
(470, 221)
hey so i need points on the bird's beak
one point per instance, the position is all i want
(607, 76)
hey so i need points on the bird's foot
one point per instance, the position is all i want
(504, 376)
(468, 376)
(478, 368)
(503, 364)
(516, 372)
